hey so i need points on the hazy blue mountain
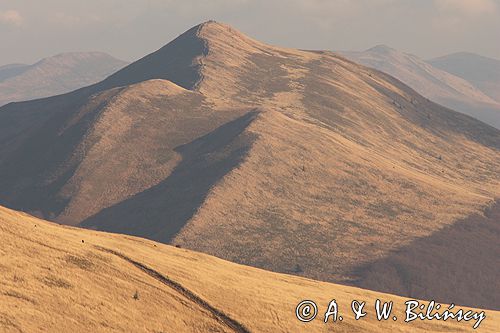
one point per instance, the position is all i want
(481, 71)
(55, 75)
(443, 87)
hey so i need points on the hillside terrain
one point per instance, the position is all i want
(55, 75)
(293, 161)
(7, 71)
(434, 82)
(64, 279)
(483, 72)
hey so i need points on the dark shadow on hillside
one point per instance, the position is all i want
(32, 174)
(34, 154)
(175, 62)
(160, 212)
(459, 264)
(487, 113)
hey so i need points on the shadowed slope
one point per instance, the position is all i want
(34, 186)
(161, 211)
(467, 250)
(118, 144)
(178, 61)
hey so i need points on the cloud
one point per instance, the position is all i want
(467, 7)
(11, 17)
(453, 16)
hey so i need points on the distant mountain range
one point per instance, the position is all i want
(8, 71)
(483, 72)
(440, 85)
(55, 75)
(295, 161)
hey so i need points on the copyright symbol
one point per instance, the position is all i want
(306, 311)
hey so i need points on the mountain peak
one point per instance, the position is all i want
(213, 32)
(212, 24)
(464, 56)
(54, 75)
(73, 58)
(215, 26)
(180, 60)
(381, 48)
(175, 61)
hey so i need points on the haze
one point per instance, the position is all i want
(30, 30)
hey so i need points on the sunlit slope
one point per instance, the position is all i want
(61, 279)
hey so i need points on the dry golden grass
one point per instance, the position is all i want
(59, 279)
(348, 165)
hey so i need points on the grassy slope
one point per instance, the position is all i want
(349, 164)
(52, 281)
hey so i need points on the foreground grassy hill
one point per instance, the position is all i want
(63, 279)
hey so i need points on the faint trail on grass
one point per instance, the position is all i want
(221, 316)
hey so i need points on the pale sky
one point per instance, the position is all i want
(129, 29)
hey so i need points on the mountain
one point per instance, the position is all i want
(483, 72)
(61, 279)
(55, 75)
(11, 70)
(436, 84)
(293, 161)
